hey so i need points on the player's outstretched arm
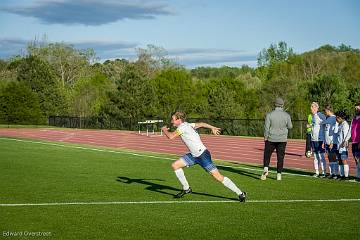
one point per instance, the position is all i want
(168, 134)
(214, 130)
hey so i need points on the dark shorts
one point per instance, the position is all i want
(343, 155)
(331, 150)
(317, 146)
(356, 150)
(204, 160)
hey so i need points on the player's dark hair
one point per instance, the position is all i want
(341, 114)
(329, 108)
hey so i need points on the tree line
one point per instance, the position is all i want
(56, 79)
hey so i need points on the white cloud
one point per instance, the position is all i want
(189, 57)
(117, 49)
(194, 57)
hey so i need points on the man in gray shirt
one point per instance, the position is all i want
(277, 125)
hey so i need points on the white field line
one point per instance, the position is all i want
(136, 154)
(175, 202)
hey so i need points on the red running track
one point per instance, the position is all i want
(229, 148)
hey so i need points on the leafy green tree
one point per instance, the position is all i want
(278, 83)
(252, 104)
(134, 96)
(250, 80)
(8, 70)
(200, 104)
(153, 58)
(68, 63)
(354, 98)
(351, 69)
(330, 89)
(90, 95)
(39, 76)
(113, 70)
(20, 105)
(206, 73)
(275, 53)
(175, 91)
(226, 98)
(297, 104)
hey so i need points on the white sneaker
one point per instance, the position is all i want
(264, 175)
(278, 177)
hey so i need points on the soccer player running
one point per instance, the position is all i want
(317, 139)
(355, 136)
(330, 147)
(198, 154)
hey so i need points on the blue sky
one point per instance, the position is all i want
(194, 32)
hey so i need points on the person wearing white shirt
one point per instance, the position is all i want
(331, 148)
(342, 140)
(317, 139)
(198, 154)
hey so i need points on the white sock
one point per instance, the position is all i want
(316, 163)
(346, 170)
(230, 185)
(181, 176)
(266, 169)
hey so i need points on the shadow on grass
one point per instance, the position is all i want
(239, 171)
(286, 153)
(160, 188)
(257, 174)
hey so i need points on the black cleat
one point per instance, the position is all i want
(183, 192)
(242, 197)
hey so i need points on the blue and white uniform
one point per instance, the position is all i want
(191, 138)
(317, 139)
(198, 153)
(330, 129)
(342, 135)
(318, 132)
(317, 128)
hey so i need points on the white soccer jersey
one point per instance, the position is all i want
(330, 129)
(317, 130)
(191, 138)
(343, 135)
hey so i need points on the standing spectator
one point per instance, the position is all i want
(342, 140)
(355, 136)
(277, 125)
(317, 139)
(330, 147)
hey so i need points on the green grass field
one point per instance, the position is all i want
(113, 194)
